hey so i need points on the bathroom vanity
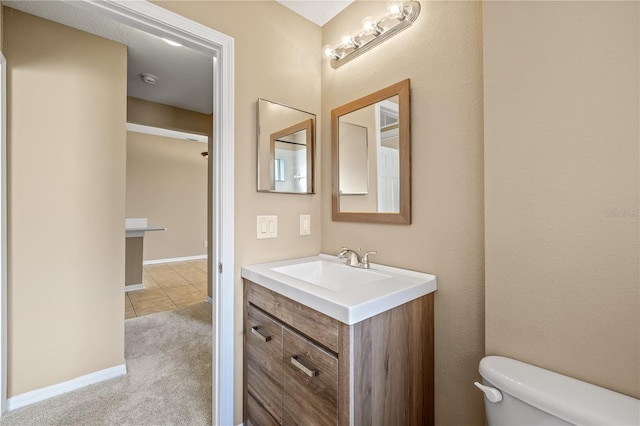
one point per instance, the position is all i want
(328, 344)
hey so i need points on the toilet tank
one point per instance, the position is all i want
(535, 396)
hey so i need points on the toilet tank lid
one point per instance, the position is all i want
(564, 397)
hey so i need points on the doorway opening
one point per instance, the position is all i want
(158, 21)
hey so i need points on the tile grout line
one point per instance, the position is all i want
(162, 288)
(132, 307)
(206, 274)
(166, 266)
(135, 315)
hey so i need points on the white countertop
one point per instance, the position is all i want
(146, 228)
(137, 226)
(139, 231)
(350, 305)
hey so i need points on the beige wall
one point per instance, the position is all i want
(66, 162)
(276, 58)
(442, 55)
(2, 28)
(140, 111)
(561, 164)
(167, 183)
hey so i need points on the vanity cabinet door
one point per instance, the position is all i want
(310, 383)
(264, 367)
(257, 415)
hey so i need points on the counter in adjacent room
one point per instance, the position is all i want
(134, 230)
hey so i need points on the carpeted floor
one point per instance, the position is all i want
(168, 379)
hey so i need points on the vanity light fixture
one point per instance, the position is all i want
(400, 15)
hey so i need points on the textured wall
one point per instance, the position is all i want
(154, 114)
(442, 55)
(66, 162)
(561, 167)
(167, 183)
(276, 58)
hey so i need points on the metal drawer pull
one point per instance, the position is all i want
(309, 372)
(262, 337)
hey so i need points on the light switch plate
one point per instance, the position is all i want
(305, 224)
(267, 227)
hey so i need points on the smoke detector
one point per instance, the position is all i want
(149, 78)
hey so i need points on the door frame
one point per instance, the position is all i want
(156, 20)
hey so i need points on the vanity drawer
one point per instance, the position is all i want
(257, 415)
(310, 382)
(310, 322)
(264, 362)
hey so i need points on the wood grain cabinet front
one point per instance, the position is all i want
(305, 368)
(309, 384)
(264, 365)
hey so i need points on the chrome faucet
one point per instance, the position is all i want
(353, 258)
(365, 259)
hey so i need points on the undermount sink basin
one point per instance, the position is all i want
(332, 276)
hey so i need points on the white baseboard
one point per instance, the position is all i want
(174, 259)
(209, 300)
(133, 287)
(41, 394)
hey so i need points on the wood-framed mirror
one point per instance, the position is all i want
(286, 149)
(371, 157)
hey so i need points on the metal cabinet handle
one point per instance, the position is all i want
(262, 337)
(306, 370)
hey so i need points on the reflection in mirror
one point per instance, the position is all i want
(354, 159)
(286, 149)
(371, 146)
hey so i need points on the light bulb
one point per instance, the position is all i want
(328, 52)
(346, 39)
(368, 24)
(394, 9)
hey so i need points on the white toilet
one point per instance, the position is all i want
(516, 393)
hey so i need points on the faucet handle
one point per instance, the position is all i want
(365, 259)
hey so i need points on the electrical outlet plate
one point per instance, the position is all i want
(305, 224)
(267, 227)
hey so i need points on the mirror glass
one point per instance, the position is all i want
(371, 157)
(286, 149)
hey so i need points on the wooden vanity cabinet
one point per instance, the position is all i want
(303, 367)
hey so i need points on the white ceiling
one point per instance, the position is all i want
(185, 76)
(318, 11)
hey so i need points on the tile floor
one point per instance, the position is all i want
(168, 286)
